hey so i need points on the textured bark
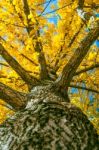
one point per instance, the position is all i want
(30, 80)
(14, 98)
(48, 122)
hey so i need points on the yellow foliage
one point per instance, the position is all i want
(4, 111)
(89, 1)
(19, 35)
(91, 55)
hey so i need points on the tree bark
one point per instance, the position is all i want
(30, 80)
(70, 68)
(48, 122)
(14, 98)
(38, 45)
(47, 119)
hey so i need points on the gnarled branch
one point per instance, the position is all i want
(30, 80)
(70, 68)
(14, 98)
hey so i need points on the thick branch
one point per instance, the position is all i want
(84, 88)
(14, 98)
(87, 69)
(27, 12)
(70, 68)
(81, 4)
(43, 66)
(41, 58)
(38, 46)
(30, 80)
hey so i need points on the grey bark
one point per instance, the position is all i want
(48, 123)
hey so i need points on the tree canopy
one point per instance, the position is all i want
(46, 41)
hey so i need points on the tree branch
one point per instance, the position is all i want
(38, 46)
(75, 36)
(3, 64)
(81, 4)
(34, 63)
(14, 98)
(87, 69)
(85, 16)
(56, 66)
(7, 106)
(3, 76)
(27, 13)
(55, 10)
(30, 80)
(84, 88)
(45, 8)
(39, 4)
(70, 68)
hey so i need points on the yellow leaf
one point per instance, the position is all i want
(30, 16)
(14, 2)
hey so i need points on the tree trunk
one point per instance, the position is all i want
(46, 120)
(48, 123)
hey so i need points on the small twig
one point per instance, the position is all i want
(84, 88)
(29, 59)
(87, 69)
(44, 3)
(53, 11)
(45, 8)
(4, 64)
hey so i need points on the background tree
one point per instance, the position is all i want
(35, 51)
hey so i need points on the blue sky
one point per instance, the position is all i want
(52, 19)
